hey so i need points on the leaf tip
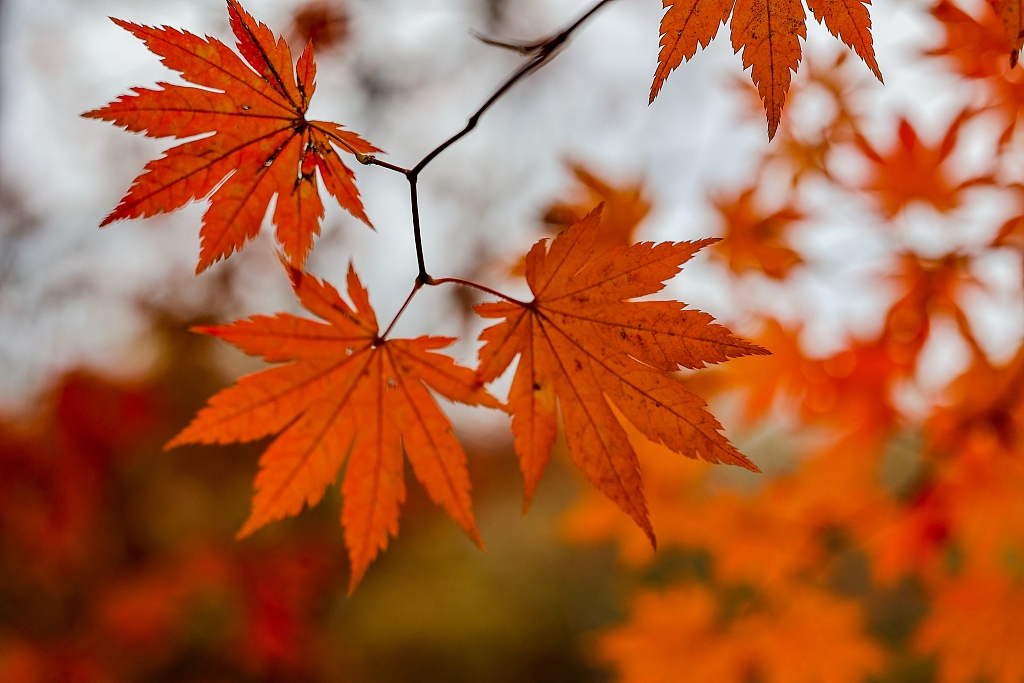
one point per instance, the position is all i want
(474, 535)
(211, 330)
(295, 274)
(253, 523)
(356, 578)
(530, 487)
(649, 532)
(178, 440)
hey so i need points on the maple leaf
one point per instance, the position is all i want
(978, 47)
(754, 241)
(346, 396)
(1009, 13)
(682, 634)
(625, 207)
(583, 345)
(975, 627)
(986, 398)
(261, 145)
(768, 32)
(912, 169)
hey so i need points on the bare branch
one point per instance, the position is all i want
(539, 54)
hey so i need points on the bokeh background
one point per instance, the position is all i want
(874, 247)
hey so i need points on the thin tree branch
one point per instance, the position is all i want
(521, 48)
(539, 53)
(542, 52)
(422, 276)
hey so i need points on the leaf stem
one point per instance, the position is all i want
(415, 288)
(476, 285)
(371, 160)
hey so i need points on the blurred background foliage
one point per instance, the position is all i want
(118, 561)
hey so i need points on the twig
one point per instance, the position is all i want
(539, 54)
(542, 52)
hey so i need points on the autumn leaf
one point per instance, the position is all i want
(974, 629)
(978, 44)
(324, 22)
(583, 345)
(1009, 13)
(347, 397)
(806, 636)
(261, 143)
(754, 241)
(912, 170)
(625, 207)
(768, 32)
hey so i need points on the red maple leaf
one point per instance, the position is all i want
(261, 145)
(583, 345)
(768, 32)
(347, 398)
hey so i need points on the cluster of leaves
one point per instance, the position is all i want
(892, 548)
(769, 35)
(351, 400)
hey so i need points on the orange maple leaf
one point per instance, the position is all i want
(1009, 13)
(768, 32)
(261, 142)
(978, 46)
(347, 395)
(754, 241)
(583, 345)
(807, 636)
(975, 628)
(913, 170)
(625, 207)
(986, 398)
